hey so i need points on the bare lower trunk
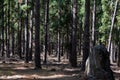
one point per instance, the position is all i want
(58, 47)
(118, 61)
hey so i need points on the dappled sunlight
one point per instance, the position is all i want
(50, 77)
(26, 71)
(20, 68)
(56, 71)
(71, 69)
(34, 76)
(12, 77)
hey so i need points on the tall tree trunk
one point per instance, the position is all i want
(26, 36)
(93, 23)
(19, 32)
(58, 46)
(73, 55)
(62, 44)
(8, 31)
(67, 43)
(30, 38)
(37, 35)
(111, 53)
(49, 44)
(23, 38)
(0, 39)
(80, 37)
(13, 41)
(58, 32)
(31, 31)
(3, 39)
(22, 34)
(118, 57)
(46, 29)
(86, 40)
(112, 24)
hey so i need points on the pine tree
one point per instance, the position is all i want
(37, 35)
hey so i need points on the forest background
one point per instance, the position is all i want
(35, 31)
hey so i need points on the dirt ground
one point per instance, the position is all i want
(22, 71)
(19, 70)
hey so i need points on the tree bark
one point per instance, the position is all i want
(73, 55)
(112, 24)
(19, 32)
(58, 46)
(31, 20)
(93, 23)
(86, 40)
(118, 59)
(58, 32)
(37, 35)
(8, 31)
(46, 29)
(26, 36)
(13, 41)
(3, 37)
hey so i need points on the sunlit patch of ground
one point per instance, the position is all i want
(52, 71)
(22, 71)
(52, 77)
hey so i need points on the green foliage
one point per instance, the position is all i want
(25, 7)
(60, 16)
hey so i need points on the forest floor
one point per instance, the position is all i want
(53, 70)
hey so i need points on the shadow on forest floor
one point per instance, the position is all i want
(23, 71)
(53, 70)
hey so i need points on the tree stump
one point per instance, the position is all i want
(98, 64)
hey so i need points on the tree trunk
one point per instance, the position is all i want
(58, 32)
(8, 31)
(93, 23)
(30, 38)
(80, 37)
(13, 41)
(23, 38)
(73, 55)
(19, 33)
(62, 44)
(31, 32)
(58, 46)
(118, 59)
(37, 35)
(67, 43)
(86, 40)
(26, 36)
(112, 24)
(3, 39)
(46, 29)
